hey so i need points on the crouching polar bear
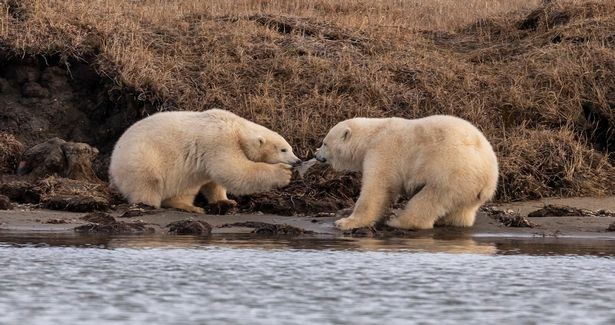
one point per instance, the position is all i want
(167, 158)
(444, 162)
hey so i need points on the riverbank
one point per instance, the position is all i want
(25, 220)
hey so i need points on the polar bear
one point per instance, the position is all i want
(444, 163)
(167, 158)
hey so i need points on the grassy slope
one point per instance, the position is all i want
(299, 67)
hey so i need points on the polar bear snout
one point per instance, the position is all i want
(295, 162)
(319, 156)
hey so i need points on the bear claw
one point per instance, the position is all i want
(350, 223)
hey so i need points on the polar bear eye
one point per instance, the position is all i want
(283, 150)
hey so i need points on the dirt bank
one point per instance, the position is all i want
(536, 78)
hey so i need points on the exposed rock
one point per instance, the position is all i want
(189, 227)
(58, 157)
(5, 203)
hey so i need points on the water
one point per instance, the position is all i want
(186, 280)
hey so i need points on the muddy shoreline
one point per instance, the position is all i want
(23, 220)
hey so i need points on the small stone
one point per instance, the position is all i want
(611, 227)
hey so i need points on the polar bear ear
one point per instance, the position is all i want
(346, 134)
(261, 140)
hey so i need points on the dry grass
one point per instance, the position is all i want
(520, 70)
(10, 153)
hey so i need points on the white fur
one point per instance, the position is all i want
(445, 161)
(166, 158)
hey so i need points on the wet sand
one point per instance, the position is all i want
(24, 220)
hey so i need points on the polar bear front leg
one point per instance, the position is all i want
(377, 192)
(216, 194)
(241, 176)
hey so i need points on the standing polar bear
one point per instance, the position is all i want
(167, 158)
(444, 162)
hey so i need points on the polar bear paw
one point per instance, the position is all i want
(281, 175)
(351, 223)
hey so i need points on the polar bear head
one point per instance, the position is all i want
(342, 147)
(269, 147)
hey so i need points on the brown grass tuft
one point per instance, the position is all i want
(10, 153)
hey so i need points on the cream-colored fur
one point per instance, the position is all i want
(167, 158)
(445, 162)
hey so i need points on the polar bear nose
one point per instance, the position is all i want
(295, 162)
(321, 159)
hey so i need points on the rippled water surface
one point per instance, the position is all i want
(184, 280)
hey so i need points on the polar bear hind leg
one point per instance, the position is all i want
(421, 211)
(145, 189)
(184, 201)
(461, 217)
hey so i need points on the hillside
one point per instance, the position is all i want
(537, 78)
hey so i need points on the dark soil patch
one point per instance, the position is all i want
(189, 227)
(56, 221)
(5, 203)
(611, 227)
(320, 190)
(21, 191)
(106, 224)
(263, 228)
(553, 210)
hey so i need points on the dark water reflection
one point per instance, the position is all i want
(492, 245)
(66, 279)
